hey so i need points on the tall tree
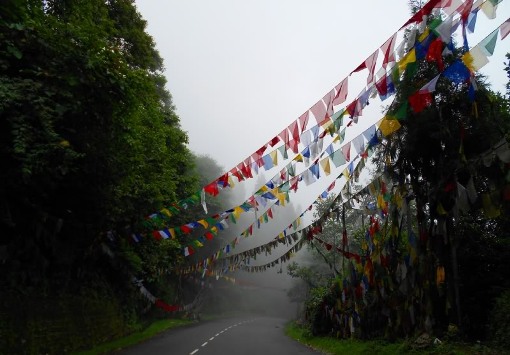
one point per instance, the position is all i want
(90, 139)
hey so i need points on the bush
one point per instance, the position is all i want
(500, 321)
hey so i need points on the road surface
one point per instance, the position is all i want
(247, 336)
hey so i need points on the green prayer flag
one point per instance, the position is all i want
(435, 22)
(489, 43)
(411, 70)
(283, 151)
(285, 187)
(401, 113)
(290, 170)
(338, 158)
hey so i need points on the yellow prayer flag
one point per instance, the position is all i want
(299, 158)
(408, 58)
(475, 59)
(230, 181)
(166, 211)
(440, 209)
(489, 209)
(380, 201)
(388, 126)
(346, 174)
(282, 196)
(424, 35)
(326, 166)
(326, 124)
(398, 199)
(274, 157)
(237, 211)
(203, 222)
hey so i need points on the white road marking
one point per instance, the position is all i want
(217, 334)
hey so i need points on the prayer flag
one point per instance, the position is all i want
(504, 29)
(388, 49)
(408, 58)
(346, 150)
(488, 44)
(475, 59)
(430, 86)
(341, 92)
(326, 166)
(388, 126)
(303, 120)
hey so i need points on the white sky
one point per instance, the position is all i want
(241, 71)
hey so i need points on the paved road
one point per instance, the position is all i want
(232, 336)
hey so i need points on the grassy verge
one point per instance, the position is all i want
(331, 345)
(138, 337)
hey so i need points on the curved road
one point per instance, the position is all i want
(246, 336)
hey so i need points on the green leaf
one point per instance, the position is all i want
(14, 51)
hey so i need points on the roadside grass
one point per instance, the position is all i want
(136, 338)
(330, 345)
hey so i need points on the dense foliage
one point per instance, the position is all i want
(90, 144)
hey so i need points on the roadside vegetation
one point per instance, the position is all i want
(137, 337)
(332, 345)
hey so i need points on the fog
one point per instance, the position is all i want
(254, 294)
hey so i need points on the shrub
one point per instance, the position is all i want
(500, 321)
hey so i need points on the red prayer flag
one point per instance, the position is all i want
(223, 180)
(274, 141)
(319, 111)
(424, 11)
(303, 120)
(284, 135)
(212, 188)
(157, 235)
(185, 229)
(237, 174)
(419, 101)
(435, 53)
(341, 92)
(382, 86)
(294, 130)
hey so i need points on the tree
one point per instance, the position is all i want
(90, 141)
(440, 147)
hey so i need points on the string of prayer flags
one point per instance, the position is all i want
(459, 72)
(322, 110)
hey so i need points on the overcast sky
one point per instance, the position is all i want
(241, 71)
